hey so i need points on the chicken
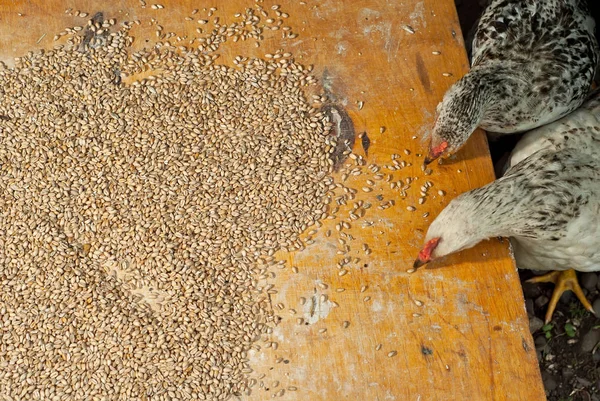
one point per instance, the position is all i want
(533, 62)
(548, 203)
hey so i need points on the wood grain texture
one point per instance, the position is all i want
(470, 338)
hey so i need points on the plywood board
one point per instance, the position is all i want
(459, 329)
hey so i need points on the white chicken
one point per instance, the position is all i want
(548, 203)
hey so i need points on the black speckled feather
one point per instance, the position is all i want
(533, 62)
(549, 48)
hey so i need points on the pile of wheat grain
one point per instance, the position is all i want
(135, 219)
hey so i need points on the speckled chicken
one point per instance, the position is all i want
(548, 203)
(533, 62)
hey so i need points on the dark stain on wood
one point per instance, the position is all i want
(526, 346)
(365, 142)
(426, 350)
(422, 72)
(343, 130)
(98, 18)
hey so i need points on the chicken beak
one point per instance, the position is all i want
(435, 152)
(428, 160)
(425, 254)
(418, 263)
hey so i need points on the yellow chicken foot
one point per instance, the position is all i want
(563, 281)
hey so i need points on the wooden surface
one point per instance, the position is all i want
(470, 339)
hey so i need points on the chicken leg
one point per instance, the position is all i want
(563, 281)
